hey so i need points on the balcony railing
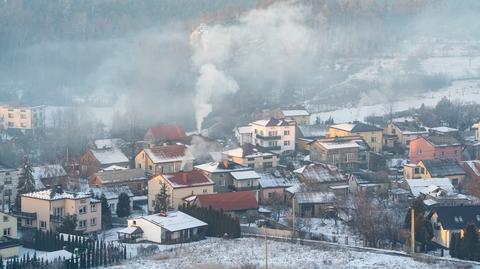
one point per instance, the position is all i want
(272, 137)
(269, 148)
(24, 215)
(56, 218)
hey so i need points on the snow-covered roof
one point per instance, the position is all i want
(269, 180)
(175, 221)
(108, 143)
(294, 113)
(114, 168)
(474, 166)
(130, 230)
(109, 156)
(444, 129)
(314, 197)
(340, 144)
(221, 167)
(272, 122)
(241, 175)
(425, 186)
(48, 171)
(47, 195)
(244, 129)
(320, 173)
(112, 192)
(248, 151)
(169, 153)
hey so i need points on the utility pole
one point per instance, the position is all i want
(412, 243)
(266, 247)
(293, 215)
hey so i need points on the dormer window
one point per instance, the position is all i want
(458, 219)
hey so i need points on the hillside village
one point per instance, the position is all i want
(285, 176)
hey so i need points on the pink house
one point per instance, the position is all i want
(435, 147)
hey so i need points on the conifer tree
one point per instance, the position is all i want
(106, 213)
(162, 199)
(123, 207)
(26, 183)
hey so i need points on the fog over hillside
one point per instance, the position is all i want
(181, 60)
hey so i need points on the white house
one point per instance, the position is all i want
(172, 227)
(243, 134)
(275, 135)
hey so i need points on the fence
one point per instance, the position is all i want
(267, 231)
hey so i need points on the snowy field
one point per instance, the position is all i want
(249, 253)
(462, 90)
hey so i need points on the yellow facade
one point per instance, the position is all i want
(373, 139)
(25, 118)
(176, 194)
(8, 228)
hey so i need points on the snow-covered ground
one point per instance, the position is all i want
(250, 253)
(462, 90)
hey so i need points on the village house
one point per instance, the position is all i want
(337, 152)
(108, 143)
(111, 194)
(252, 156)
(434, 169)
(165, 134)
(8, 184)
(435, 147)
(472, 168)
(244, 134)
(179, 186)
(436, 192)
(45, 210)
(275, 135)
(49, 176)
(372, 135)
(313, 204)
(164, 159)
(234, 203)
(95, 160)
(443, 130)
(135, 179)
(22, 117)
(9, 243)
(321, 177)
(244, 180)
(309, 133)
(299, 116)
(448, 220)
(220, 173)
(273, 185)
(405, 131)
(171, 227)
(371, 182)
(476, 127)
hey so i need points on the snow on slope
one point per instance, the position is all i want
(218, 253)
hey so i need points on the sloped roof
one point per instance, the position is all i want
(48, 171)
(269, 180)
(410, 127)
(187, 179)
(356, 127)
(442, 140)
(167, 133)
(241, 175)
(321, 173)
(418, 186)
(294, 113)
(314, 197)
(371, 178)
(474, 166)
(169, 153)
(121, 175)
(312, 131)
(175, 221)
(108, 143)
(457, 217)
(229, 201)
(109, 156)
(221, 167)
(248, 150)
(48, 195)
(112, 192)
(443, 168)
(272, 122)
(443, 129)
(338, 144)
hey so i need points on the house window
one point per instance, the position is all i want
(286, 143)
(139, 165)
(205, 190)
(93, 207)
(286, 132)
(250, 159)
(10, 115)
(271, 194)
(93, 221)
(112, 207)
(58, 211)
(134, 222)
(373, 139)
(82, 224)
(267, 164)
(221, 182)
(43, 224)
(23, 116)
(6, 232)
(28, 222)
(5, 218)
(83, 201)
(82, 210)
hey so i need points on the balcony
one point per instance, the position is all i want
(269, 148)
(56, 218)
(24, 215)
(8, 242)
(268, 138)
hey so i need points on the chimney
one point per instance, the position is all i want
(162, 214)
(225, 163)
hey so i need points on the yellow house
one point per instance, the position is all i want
(164, 159)
(435, 169)
(9, 244)
(372, 135)
(22, 117)
(179, 186)
(45, 210)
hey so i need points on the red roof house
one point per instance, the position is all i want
(229, 201)
(165, 133)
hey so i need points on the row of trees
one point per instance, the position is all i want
(466, 247)
(219, 223)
